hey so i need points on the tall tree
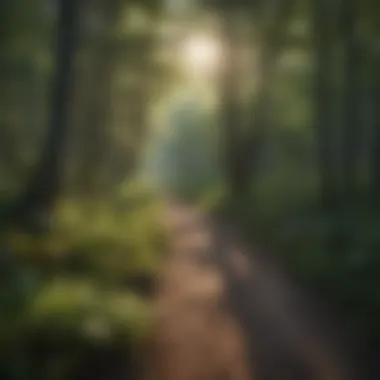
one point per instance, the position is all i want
(230, 105)
(272, 39)
(324, 101)
(242, 150)
(113, 97)
(376, 127)
(34, 208)
(351, 112)
(93, 107)
(373, 56)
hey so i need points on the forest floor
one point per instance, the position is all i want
(225, 312)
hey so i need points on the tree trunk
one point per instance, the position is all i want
(272, 41)
(243, 152)
(351, 99)
(324, 103)
(375, 115)
(230, 107)
(34, 208)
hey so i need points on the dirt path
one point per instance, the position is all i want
(223, 313)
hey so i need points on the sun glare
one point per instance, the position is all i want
(201, 54)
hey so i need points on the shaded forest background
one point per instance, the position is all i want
(272, 119)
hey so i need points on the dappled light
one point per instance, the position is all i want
(201, 54)
(189, 190)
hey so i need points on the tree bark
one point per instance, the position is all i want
(272, 44)
(33, 210)
(351, 99)
(100, 72)
(324, 103)
(230, 107)
(375, 115)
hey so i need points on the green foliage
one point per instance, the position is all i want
(78, 307)
(69, 286)
(106, 228)
(288, 219)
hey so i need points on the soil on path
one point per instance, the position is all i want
(224, 313)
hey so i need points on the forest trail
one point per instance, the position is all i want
(224, 313)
